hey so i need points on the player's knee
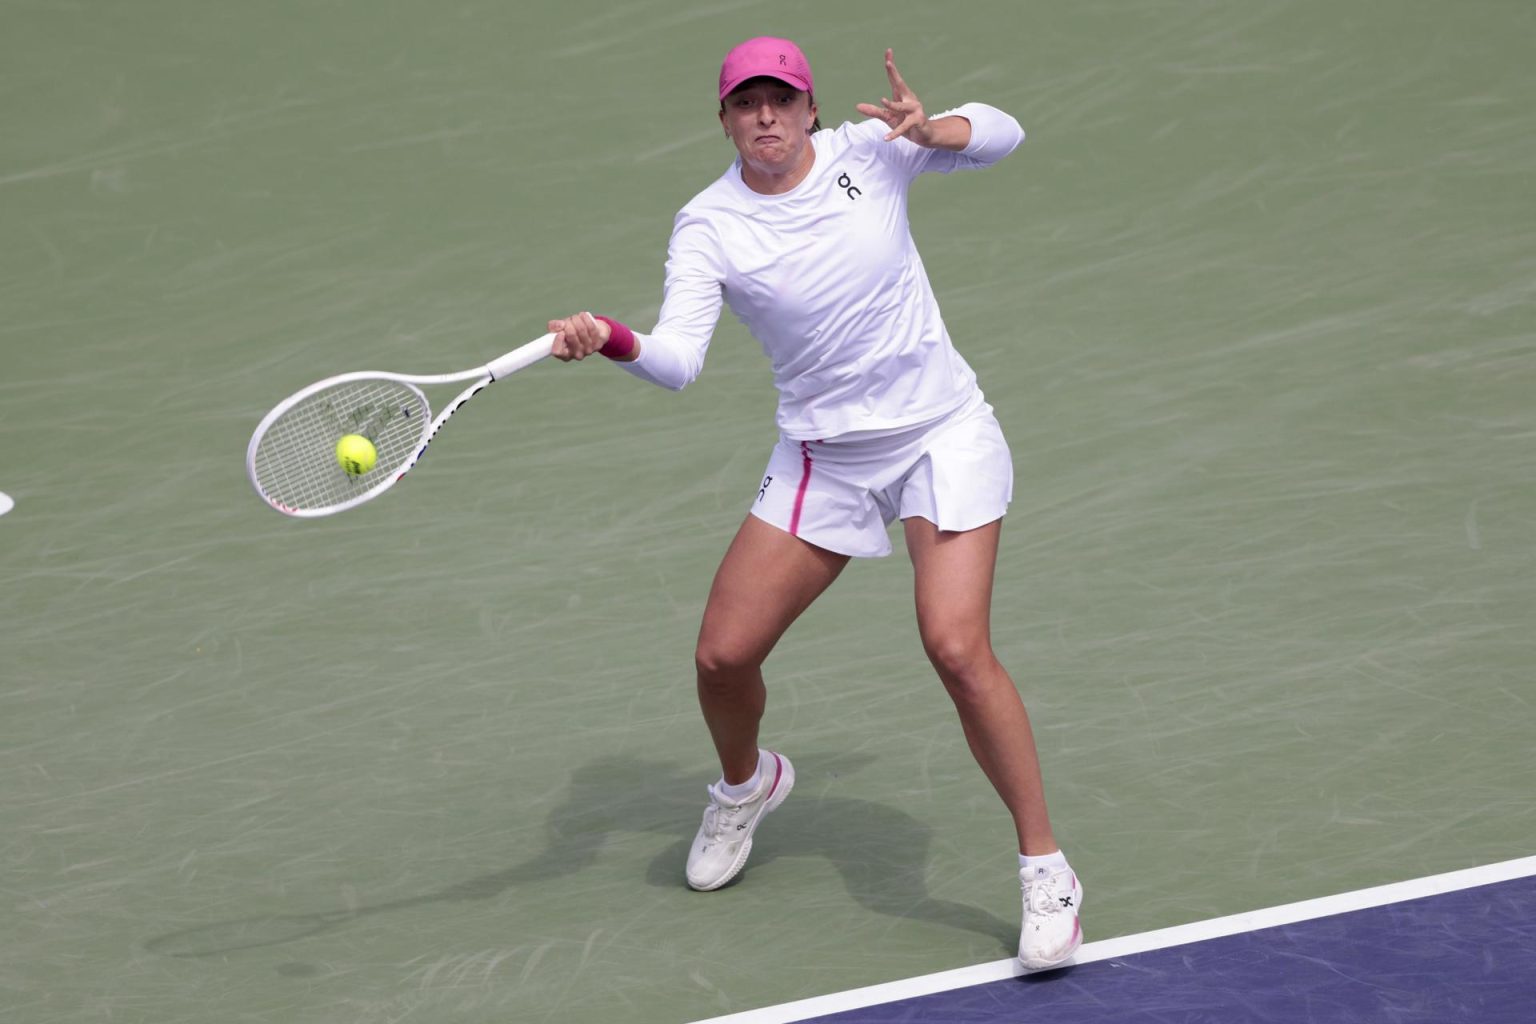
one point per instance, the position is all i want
(963, 661)
(719, 659)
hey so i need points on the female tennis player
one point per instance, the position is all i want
(806, 237)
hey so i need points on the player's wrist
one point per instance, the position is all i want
(620, 345)
(951, 132)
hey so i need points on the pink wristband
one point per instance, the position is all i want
(621, 340)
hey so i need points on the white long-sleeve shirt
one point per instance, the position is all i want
(828, 280)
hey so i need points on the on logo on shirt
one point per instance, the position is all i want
(846, 184)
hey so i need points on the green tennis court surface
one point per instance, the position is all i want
(1254, 303)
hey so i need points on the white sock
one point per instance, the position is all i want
(737, 793)
(1045, 864)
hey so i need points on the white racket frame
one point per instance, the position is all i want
(519, 358)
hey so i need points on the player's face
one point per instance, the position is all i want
(770, 124)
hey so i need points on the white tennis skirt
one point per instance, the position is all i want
(956, 472)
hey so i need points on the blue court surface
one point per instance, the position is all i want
(1459, 947)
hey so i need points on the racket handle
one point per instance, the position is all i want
(520, 358)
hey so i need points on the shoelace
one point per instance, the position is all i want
(719, 819)
(1040, 896)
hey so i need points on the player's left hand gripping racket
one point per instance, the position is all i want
(292, 457)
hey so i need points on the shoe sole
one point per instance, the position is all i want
(1064, 960)
(786, 782)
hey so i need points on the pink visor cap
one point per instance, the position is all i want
(765, 55)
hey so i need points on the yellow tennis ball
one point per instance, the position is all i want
(356, 454)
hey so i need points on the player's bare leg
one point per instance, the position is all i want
(953, 582)
(765, 581)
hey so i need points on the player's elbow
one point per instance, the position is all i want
(673, 378)
(677, 372)
(690, 374)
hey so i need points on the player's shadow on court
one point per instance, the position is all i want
(881, 852)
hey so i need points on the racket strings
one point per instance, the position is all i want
(295, 462)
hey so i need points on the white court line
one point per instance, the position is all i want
(1128, 945)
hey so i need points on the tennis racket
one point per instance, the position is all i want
(292, 459)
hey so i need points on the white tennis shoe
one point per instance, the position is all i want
(1051, 932)
(720, 850)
